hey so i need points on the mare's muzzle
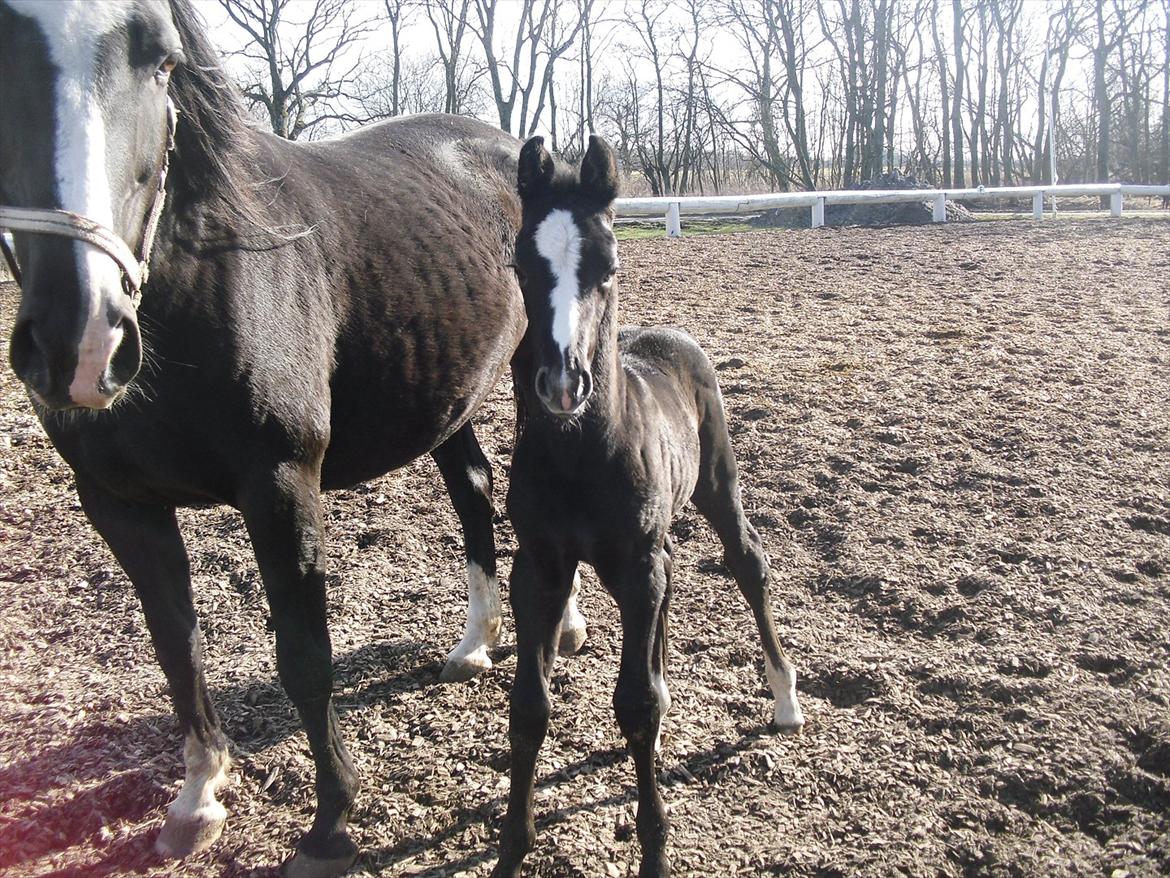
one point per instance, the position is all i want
(75, 342)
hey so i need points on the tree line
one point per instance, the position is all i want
(702, 96)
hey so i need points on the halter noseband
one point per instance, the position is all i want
(66, 224)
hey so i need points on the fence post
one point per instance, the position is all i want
(1038, 206)
(818, 213)
(940, 208)
(1115, 204)
(673, 224)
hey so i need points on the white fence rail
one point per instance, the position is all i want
(674, 208)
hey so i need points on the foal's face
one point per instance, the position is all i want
(566, 259)
(83, 128)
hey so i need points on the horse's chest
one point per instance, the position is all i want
(603, 501)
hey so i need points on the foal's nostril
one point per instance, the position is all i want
(585, 386)
(542, 389)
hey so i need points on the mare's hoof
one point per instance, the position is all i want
(571, 641)
(788, 726)
(183, 836)
(657, 868)
(460, 669)
(302, 865)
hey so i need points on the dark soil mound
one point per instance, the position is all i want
(914, 213)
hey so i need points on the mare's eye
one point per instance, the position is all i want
(169, 64)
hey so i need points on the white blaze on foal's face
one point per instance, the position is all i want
(74, 31)
(558, 240)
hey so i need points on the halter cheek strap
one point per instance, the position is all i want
(66, 224)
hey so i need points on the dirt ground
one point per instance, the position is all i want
(956, 444)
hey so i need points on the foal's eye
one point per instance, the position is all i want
(520, 275)
(167, 66)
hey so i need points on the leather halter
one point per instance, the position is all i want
(66, 224)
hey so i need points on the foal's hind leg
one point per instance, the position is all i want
(468, 477)
(717, 499)
(282, 511)
(662, 643)
(147, 543)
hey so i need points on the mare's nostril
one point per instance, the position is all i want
(28, 359)
(542, 382)
(585, 386)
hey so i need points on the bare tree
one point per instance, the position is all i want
(545, 31)
(448, 20)
(301, 66)
(398, 14)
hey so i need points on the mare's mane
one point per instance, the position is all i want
(213, 142)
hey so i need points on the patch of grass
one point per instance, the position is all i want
(695, 227)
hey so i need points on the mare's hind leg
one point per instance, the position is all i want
(468, 477)
(717, 499)
(640, 587)
(282, 511)
(573, 631)
(538, 590)
(147, 543)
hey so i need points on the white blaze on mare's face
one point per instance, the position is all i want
(559, 241)
(73, 30)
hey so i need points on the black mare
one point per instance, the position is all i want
(316, 315)
(623, 429)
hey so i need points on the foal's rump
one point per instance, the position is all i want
(671, 353)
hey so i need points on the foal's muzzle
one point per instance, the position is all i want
(564, 392)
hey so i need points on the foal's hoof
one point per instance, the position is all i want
(506, 870)
(189, 834)
(461, 668)
(301, 865)
(571, 641)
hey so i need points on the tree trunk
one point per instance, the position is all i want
(957, 107)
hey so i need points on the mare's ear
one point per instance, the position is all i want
(536, 168)
(599, 176)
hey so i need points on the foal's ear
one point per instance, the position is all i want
(536, 168)
(599, 176)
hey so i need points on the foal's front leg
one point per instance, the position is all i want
(282, 510)
(538, 592)
(147, 543)
(640, 588)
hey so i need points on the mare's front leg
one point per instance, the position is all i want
(147, 543)
(282, 510)
(640, 586)
(538, 591)
(468, 477)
